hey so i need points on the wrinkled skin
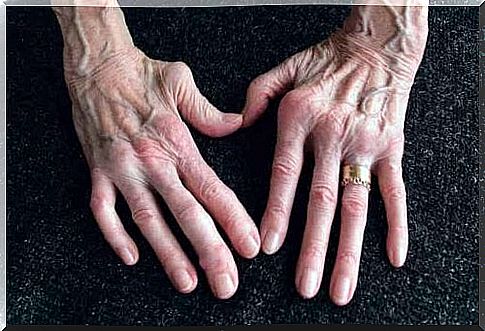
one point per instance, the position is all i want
(128, 115)
(345, 98)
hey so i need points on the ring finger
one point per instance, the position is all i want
(214, 255)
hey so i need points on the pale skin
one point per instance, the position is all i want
(346, 98)
(129, 114)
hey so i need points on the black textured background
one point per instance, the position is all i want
(61, 271)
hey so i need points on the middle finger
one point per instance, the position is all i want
(321, 209)
(345, 272)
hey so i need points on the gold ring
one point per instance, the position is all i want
(357, 175)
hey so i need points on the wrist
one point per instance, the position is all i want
(92, 35)
(401, 28)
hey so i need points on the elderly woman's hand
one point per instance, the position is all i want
(347, 97)
(128, 112)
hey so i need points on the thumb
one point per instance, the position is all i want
(201, 114)
(267, 87)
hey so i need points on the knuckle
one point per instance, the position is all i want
(230, 221)
(144, 216)
(259, 82)
(98, 204)
(190, 212)
(354, 207)
(323, 196)
(314, 251)
(400, 228)
(275, 212)
(348, 257)
(285, 166)
(147, 149)
(180, 68)
(292, 100)
(215, 257)
(170, 256)
(123, 155)
(211, 190)
(394, 192)
(296, 100)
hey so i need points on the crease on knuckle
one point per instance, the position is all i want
(98, 205)
(210, 190)
(170, 256)
(354, 207)
(285, 166)
(233, 226)
(394, 192)
(275, 213)
(214, 258)
(348, 257)
(144, 216)
(188, 212)
(323, 196)
(402, 229)
(314, 252)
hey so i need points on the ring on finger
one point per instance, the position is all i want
(356, 175)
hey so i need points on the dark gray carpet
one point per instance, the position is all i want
(60, 270)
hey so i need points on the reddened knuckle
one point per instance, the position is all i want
(230, 221)
(210, 189)
(323, 195)
(168, 255)
(292, 101)
(314, 251)
(275, 212)
(191, 212)
(354, 207)
(396, 192)
(214, 257)
(147, 148)
(285, 166)
(350, 257)
(98, 204)
(144, 216)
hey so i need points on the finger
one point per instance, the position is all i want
(345, 272)
(393, 192)
(287, 166)
(198, 111)
(103, 198)
(148, 217)
(321, 209)
(214, 255)
(222, 204)
(268, 86)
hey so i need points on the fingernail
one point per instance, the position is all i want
(127, 256)
(309, 283)
(341, 291)
(182, 279)
(252, 246)
(224, 286)
(271, 242)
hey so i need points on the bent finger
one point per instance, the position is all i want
(103, 199)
